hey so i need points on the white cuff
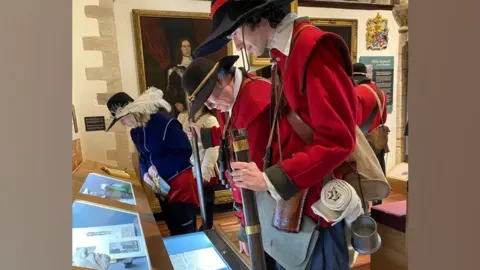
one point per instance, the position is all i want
(271, 188)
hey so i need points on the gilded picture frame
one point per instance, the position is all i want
(348, 24)
(264, 60)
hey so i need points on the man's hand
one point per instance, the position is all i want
(244, 248)
(247, 175)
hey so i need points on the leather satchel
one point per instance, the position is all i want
(287, 216)
(374, 185)
(377, 138)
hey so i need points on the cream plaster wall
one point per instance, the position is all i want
(392, 50)
(94, 144)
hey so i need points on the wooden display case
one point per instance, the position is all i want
(159, 251)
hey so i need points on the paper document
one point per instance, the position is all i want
(202, 259)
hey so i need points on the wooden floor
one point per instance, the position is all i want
(228, 223)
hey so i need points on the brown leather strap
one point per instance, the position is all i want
(377, 98)
(277, 89)
(227, 124)
(302, 129)
(247, 80)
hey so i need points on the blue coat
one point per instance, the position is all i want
(162, 143)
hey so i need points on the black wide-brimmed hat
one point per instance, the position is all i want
(200, 78)
(116, 102)
(228, 15)
(149, 102)
(360, 73)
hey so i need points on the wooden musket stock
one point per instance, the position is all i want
(222, 162)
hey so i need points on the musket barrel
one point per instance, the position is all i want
(198, 172)
(252, 222)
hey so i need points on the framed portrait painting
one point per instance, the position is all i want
(345, 28)
(264, 59)
(164, 42)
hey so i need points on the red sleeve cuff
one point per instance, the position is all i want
(240, 216)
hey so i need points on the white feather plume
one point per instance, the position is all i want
(147, 103)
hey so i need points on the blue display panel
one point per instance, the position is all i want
(107, 238)
(108, 187)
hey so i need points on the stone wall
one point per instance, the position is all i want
(106, 43)
(401, 16)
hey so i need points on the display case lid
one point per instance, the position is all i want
(108, 187)
(200, 252)
(105, 237)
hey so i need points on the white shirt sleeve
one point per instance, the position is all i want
(211, 154)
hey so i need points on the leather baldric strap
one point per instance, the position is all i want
(278, 101)
(251, 79)
(288, 214)
(226, 128)
(367, 125)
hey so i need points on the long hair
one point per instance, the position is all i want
(274, 16)
(142, 119)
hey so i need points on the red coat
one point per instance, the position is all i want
(251, 111)
(327, 103)
(367, 102)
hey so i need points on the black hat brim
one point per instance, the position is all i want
(115, 120)
(204, 93)
(219, 38)
(113, 123)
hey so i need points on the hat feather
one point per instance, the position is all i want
(147, 103)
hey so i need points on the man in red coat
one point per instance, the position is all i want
(314, 69)
(369, 100)
(242, 97)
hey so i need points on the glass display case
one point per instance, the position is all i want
(205, 250)
(198, 254)
(104, 237)
(109, 188)
(108, 235)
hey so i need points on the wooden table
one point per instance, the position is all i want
(157, 252)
